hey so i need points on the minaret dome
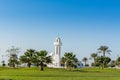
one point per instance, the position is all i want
(58, 42)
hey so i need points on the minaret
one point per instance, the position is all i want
(57, 44)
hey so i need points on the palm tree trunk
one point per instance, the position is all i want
(102, 66)
(13, 65)
(85, 63)
(29, 65)
(41, 66)
(104, 53)
(94, 62)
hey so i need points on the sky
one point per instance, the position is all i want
(82, 25)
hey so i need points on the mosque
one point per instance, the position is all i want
(56, 55)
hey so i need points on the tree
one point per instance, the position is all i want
(43, 58)
(112, 63)
(70, 60)
(102, 61)
(28, 57)
(94, 56)
(3, 63)
(12, 54)
(13, 60)
(118, 61)
(63, 61)
(104, 50)
(85, 60)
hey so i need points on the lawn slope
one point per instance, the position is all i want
(58, 74)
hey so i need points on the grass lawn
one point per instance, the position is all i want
(58, 74)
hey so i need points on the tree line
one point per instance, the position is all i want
(102, 61)
(69, 60)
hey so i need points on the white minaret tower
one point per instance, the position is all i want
(57, 57)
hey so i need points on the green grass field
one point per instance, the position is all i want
(58, 74)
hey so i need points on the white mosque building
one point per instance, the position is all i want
(56, 55)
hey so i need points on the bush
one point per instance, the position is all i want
(86, 65)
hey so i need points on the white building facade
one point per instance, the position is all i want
(56, 55)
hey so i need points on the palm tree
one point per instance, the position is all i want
(85, 60)
(13, 60)
(12, 54)
(94, 55)
(103, 61)
(28, 57)
(112, 63)
(118, 61)
(62, 61)
(23, 59)
(13, 50)
(70, 60)
(43, 58)
(104, 50)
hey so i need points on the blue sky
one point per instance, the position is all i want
(82, 25)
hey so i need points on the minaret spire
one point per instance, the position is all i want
(57, 45)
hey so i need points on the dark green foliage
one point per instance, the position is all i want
(102, 61)
(85, 60)
(3, 63)
(94, 56)
(28, 57)
(43, 58)
(13, 59)
(63, 60)
(35, 57)
(86, 65)
(70, 60)
(118, 61)
(104, 50)
(112, 64)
